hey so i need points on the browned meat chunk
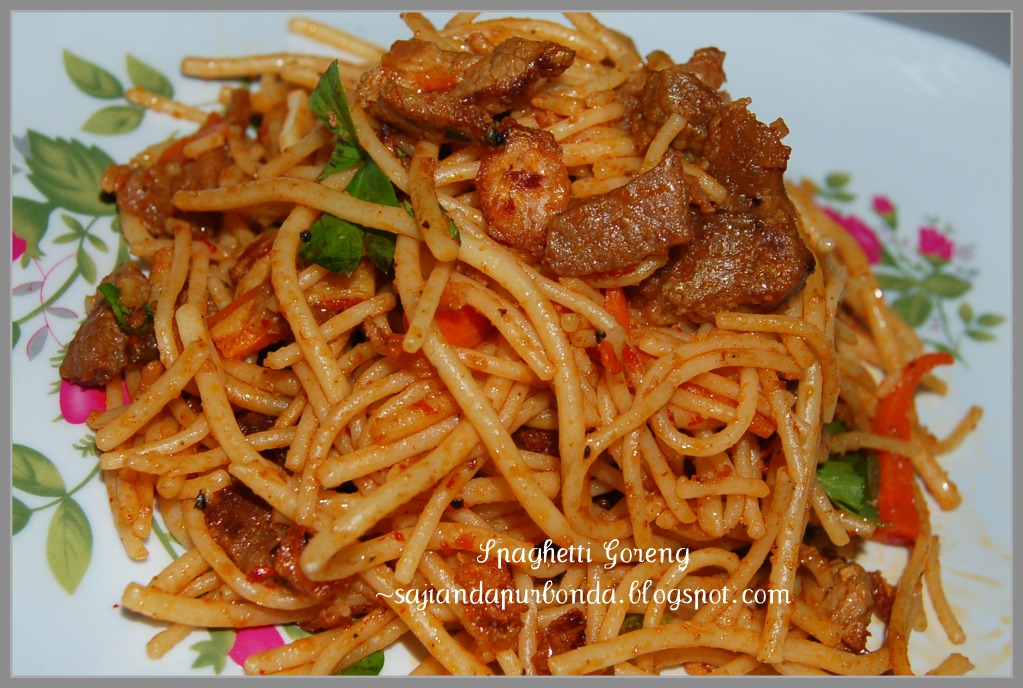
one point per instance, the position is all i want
(884, 596)
(567, 632)
(663, 87)
(418, 66)
(101, 348)
(850, 603)
(738, 263)
(436, 94)
(537, 440)
(244, 527)
(749, 255)
(268, 551)
(522, 185)
(748, 157)
(494, 626)
(250, 422)
(677, 90)
(708, 65)
(849, 598)
(334, 612)
(512, 74)
(144, 188)
(616, 230)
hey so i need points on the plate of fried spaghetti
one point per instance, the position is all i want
(463, 344)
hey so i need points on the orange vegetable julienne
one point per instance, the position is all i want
(246, 325)
(896, 504)
(608, 357)
(465, 327)
(618, 306)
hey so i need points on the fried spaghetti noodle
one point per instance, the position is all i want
(432, 303)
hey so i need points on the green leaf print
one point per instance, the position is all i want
(69, 544)
(945, 285)
(213, 652)
(144, 76)
(837, 180)
(965, 312)
(114, 119)
(91, 79)
(68, 174)
(34, 473)
(913, 308)
(889, 282)
(980, 335)
(20, 515)
(29, 221)
(86, 266)
(990, 320)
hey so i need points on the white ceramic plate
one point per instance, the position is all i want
(913, 123)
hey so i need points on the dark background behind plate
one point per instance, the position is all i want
(989, 31)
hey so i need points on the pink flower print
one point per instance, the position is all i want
(249, 641)
(883, 205)
(885, 209)
(934, 244)
(76, 403)
(861, 232)
(18, 246)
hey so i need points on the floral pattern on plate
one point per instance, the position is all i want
(64, 231)
(67, 173)
(926, 275)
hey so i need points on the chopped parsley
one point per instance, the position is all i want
(337, 244)
(850, 480)
(329, 103)
(121, 312)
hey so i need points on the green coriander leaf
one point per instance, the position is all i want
(335, 244)
(121, 313)
(842, 482)
(330, 104)
(370, 184)
(380, 248)
(344, 156)
(847, 479)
